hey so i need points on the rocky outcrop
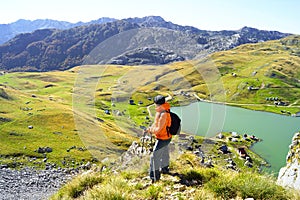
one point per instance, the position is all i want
(289, 176)
(137, 150)
(146, 55)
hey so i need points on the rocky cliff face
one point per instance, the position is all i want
(152, 56)
(289, 176)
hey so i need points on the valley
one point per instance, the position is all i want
(83, 114)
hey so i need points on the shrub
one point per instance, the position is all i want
(201, 175)
(186, 160)
(246, 185)
(203, 194)
(113, 189)
(129, 174)
(77, 186)
(153, 192)
(84, 183)
(250, 185)
(139, 186)
(222, 187)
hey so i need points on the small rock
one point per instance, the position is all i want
(40, 150)
(295, 142)
(220, 136)
(48, 150)
(88, 165)
(248, 164)
(189, 148)
(191, 138)
(179, 187)
(192, 190)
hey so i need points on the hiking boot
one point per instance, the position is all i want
(153, 181)
(165, 170)
(155, 176)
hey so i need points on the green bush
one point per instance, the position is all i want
(202, 175)
(250, 185)
(115, 188)
(76, 187)
(153, 192)
(204, 194)
(246, 185)
(129, 174)
(85, 183)
(222, 187)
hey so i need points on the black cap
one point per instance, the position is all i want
(159, 99)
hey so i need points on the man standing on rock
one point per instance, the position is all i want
(159, 160)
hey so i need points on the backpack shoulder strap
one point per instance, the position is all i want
(165, 111)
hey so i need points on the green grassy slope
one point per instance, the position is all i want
(42, 101)
(273, 68)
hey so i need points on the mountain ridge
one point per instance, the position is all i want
(64, 49)
(8, 31)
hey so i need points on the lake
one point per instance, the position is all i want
(276, 131)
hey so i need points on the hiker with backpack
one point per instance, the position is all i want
(160, 158)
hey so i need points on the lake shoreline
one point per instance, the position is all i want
(239, 105)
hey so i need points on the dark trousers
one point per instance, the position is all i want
(159, 159)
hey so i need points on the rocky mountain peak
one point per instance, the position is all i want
(246, 29)
(149, 19)
(153, 19)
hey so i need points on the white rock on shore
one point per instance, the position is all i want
(289, 176)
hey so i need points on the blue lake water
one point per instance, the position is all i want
(276, 131)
